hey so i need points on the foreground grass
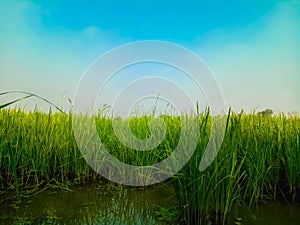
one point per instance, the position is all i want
(259, 158)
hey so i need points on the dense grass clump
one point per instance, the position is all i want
(259, 158)
(37, 148)
(42, 148)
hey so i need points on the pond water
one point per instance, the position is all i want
(270, 213)
(109, 204)
(90, 204)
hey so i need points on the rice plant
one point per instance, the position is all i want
(259, 158)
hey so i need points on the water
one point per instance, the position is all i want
(90, 204)
(270, 213)
(114, 205)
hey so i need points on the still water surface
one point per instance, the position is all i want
(270, 213)
(113, 205)
(90, 204)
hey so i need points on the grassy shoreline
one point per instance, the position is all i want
(259, 158)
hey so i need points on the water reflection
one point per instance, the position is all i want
(114, 205)
(271, 213)
(91, 204)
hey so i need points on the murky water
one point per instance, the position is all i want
(91, 204)
(270, 213)
(114, 205)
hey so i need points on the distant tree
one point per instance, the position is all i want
(294, 114)
(266, 112)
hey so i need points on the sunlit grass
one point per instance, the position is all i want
(259, 158)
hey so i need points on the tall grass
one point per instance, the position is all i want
(259, 158)
(43, 147)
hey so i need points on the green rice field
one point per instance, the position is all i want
(259, 160)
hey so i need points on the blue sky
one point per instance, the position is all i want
(252, 47)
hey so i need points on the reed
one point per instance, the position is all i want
(259, 158)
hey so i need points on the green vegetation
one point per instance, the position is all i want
(259, 158)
